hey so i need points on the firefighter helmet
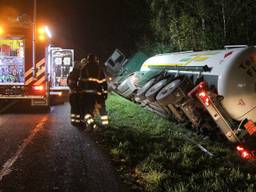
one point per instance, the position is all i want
(91, 58)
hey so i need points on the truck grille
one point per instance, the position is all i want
(11, 90)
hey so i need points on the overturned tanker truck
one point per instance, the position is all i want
(213, 90)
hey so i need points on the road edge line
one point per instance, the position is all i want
(6, 168)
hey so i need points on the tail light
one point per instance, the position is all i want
(38, 88)
(201, 91)
(245, 153)
(204, 97)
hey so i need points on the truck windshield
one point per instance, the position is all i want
(12, 60)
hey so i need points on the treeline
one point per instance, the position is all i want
(177, 25)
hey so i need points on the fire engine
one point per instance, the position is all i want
(24, 71)
(215, 91)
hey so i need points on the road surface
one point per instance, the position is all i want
(43, 152)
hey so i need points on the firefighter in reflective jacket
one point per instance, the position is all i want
(91, 83)
(101, 99)
(72, 82)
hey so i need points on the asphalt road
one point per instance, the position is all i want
(43, 152)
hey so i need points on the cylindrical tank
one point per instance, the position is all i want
(232, 72)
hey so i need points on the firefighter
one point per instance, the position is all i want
(101, 99)
(90, 85)
(72, 82)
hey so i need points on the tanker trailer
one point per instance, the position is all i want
(219, 83)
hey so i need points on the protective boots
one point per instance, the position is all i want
(89, 122)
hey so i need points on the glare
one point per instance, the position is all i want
(1, 30)
(239, 148)
(48, 32)
(41, 37)
(41, 30)
(133, 79)
(246, 155)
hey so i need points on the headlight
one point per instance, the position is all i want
(134, 79)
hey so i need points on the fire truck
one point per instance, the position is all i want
(24, 73)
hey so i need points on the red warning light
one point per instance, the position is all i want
(204, 97)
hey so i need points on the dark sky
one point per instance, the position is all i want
(88, 26)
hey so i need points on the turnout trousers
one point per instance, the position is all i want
(101, 101)
(74, 108)
(87, 106)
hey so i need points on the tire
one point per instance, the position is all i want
(141, 92)
(167, 94)
(152, 91)
(175, 92)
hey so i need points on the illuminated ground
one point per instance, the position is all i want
(43, 152)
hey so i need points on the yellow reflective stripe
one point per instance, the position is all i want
(40, 72)
(103, 80)
(28, 72)
(91, 91)
(27, 82)
(39, 63)
(89, 121)
(40, 81)
(105, 117)
(105, 123)
(94, 80)
(87, 116)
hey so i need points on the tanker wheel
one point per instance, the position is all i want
(141, 92)
(166, 95)
(152, 92)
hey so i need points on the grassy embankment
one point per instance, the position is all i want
(152, 154)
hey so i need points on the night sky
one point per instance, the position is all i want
(88, 26)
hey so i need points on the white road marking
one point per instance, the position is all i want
(9, 163)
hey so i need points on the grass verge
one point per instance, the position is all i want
(152, 154)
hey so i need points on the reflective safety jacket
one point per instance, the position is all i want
(92, 79)
(73, 77)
